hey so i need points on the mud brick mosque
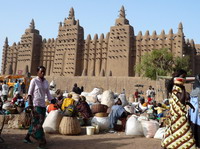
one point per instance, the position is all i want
(71, 55)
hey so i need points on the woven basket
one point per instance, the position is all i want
(12, 110)
(98, 108)
(20, 109)
(101, 114)
(69, 126)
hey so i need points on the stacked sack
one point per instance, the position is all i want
(101, 116)
(52, 122)
(141, 126)
(92, 96)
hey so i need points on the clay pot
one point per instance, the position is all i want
(69, 126)
(99, 108)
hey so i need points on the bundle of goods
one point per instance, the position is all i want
(84, 94)
(131, 98)
(75, 96)
(123, 99)
(102, 122)
(7, 106)
(130, 109)
(133, 126)
(149, 128)
(17, 121)
(91, 99)
(52, 122)
(98, 108)
(69, 126)
(107, 98)
(95, 92)
(70, 111)
(160, 133)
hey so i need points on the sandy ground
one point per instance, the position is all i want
(13, 140)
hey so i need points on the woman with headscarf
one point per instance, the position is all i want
(195, 115)
(178, 133)
(84, 109)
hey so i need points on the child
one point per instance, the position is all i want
(52, 106)
(159, 110)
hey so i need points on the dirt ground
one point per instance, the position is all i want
(13, 140)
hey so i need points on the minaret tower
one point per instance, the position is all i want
(4, 57)
(121, 54)
(29, 50)
(69, 48)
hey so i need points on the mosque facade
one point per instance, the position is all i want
(113, 54)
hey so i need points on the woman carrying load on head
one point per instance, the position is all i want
(39, 87)
(178, 133)
(195, 115)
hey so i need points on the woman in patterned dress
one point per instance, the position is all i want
(178, 134)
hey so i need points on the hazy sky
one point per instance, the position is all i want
(97, 16)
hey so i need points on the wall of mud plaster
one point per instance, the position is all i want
(116, 84)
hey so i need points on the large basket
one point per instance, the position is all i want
(12, 110)
(69, 126)
(99, 108)
(20, 109)
(101, 114)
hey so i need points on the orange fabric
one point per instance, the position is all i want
(52, 107)
(145, 104)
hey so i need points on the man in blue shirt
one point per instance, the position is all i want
(117, 112)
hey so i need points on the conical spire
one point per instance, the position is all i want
(88, 37)
(192, 43)
(171, 31)
(32, 24)
(44, 40)
(163, 32)
(122, 12)
(101, 37)
(154, 33)
(147, 33)
(60, 24)
(95, 37)
(180, 27)
(71, 13)
(140, 33)
(6, 41)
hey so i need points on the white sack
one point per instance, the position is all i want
(123, 99)
(6, 106)
(107, 98)
(52, 122)
(130, 109)
(75, 97)
(103, 122)
(133, 126)
(53, 84)
(141, 118)
(91, 99)
(84, 94)
(99, 97)
(95, 92)
(160, 133)
(149, 128)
